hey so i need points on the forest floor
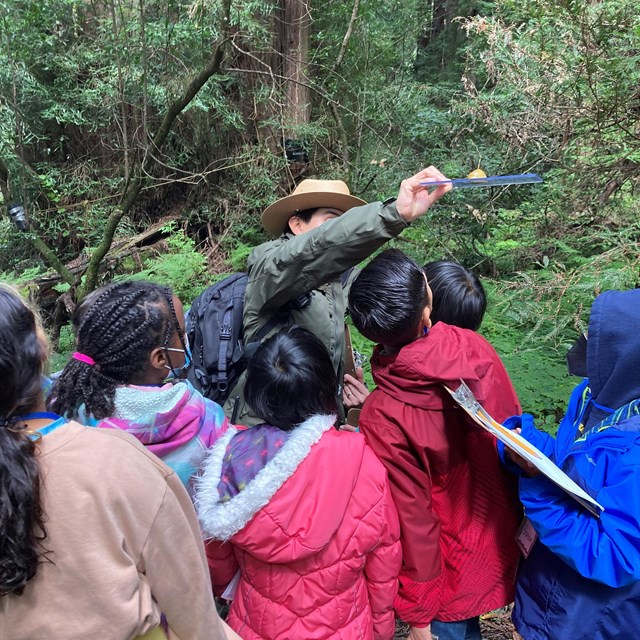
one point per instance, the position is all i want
(494, 626)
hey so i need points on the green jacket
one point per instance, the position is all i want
(283, 269)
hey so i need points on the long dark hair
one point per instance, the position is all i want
(291, 378)
(23, 356)
(117, 326)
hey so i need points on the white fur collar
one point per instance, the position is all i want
(222, 520)
(133, 401)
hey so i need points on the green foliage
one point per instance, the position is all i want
(560, 85)
(58, 358)
(238, 257)
(182, 267)
(534, 318)
(23, 277)
(509, 86)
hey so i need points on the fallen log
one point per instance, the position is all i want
(42, 289)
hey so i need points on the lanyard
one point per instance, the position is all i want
(57, 421)
(39, 415)
(43, 431)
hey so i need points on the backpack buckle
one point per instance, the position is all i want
(225, 332)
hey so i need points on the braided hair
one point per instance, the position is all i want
(117, 326)
(23, 355)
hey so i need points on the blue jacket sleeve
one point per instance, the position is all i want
(604, 549)
(543, 441)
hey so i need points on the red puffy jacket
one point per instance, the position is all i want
(315, 536)
(458, 507)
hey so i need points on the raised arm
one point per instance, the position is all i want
(286, 269)
(283, 270)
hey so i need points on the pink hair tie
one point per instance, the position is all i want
(82, 358)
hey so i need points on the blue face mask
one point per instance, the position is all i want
(181, 372)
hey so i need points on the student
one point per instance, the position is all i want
(458, 295)
(321, 231)
(306, 508)
(87, 516)
(458, 509)
(458, 299)
(129, 339)
(581, 579)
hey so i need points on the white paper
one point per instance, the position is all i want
(514, 441)
(230, 591)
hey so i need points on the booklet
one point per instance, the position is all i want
(514, 441)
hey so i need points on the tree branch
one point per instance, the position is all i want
(135, 186)
(35, 240)
(347, 37)
(52, 258)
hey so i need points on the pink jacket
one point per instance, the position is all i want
(312, 528)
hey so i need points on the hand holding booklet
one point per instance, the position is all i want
(516, 443)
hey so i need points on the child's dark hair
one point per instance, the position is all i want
(305, 215)
(458, 295)
(117, 327)
(388, 298)
(291, 378)
(23, 357)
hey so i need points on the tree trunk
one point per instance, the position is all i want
(292, 31)
(430, 51)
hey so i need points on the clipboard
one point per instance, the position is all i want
(353, 415)
(514, 441)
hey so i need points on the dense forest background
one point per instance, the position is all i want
(144, 137)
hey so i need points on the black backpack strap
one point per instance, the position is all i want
(225, 348)
(344, 277)
(278, 318)
(265, 329)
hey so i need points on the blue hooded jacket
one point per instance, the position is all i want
(582, 579)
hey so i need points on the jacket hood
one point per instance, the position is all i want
(446, 354)
(174, 421)
(613, 351)
(265, 515)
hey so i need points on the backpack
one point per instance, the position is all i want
(214, 330)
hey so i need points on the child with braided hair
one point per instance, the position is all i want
(130, 338)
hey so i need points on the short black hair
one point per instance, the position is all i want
(305, 215)
(291, 378)
(458, 295)
(388, 298)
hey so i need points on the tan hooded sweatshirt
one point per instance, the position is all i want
(124, 547)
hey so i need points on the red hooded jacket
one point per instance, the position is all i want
(458, 507)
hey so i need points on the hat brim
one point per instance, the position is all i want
(276, 216)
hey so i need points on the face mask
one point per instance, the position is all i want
(577, 358)
(181, 372)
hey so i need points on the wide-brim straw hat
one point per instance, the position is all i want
(309, 194)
